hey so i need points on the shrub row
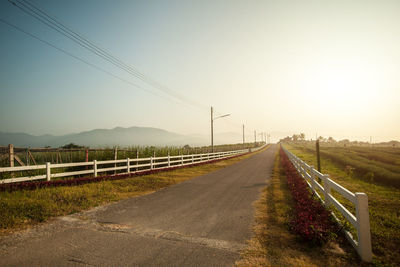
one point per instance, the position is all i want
(311, 221)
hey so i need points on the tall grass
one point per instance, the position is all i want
(58, 155)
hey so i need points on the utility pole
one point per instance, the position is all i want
(243, 135)
(212, 126)
(212, 131)
(318, 156)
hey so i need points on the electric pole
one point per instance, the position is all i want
(243, 135)
(212, 131)
(212, 126)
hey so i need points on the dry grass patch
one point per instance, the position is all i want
(274, 245)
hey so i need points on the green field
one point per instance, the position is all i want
(374, 171)
(61, 155)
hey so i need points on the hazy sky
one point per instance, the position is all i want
(326, 67)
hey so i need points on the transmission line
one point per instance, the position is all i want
(40, 15)
(50, 21)
(84, 61)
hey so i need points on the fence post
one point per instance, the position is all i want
(192, 158)
(11, 154)
(27, 157)
(151, 163)
(48, 171)
(137, 159)
(327, 190)
(312, 177)
(181, 159)
(169, 160)
(128, 167)
(95, 168)
(115, 158)
(363, 227)
(318, 156)
(87, 157)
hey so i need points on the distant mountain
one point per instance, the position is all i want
(106, 137)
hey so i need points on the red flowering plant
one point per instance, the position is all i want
(311, 220)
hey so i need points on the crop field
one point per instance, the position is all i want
(37, 156)
(374, 171)
(61, 155)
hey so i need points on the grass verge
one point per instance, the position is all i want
(23, 208)
(274, 245)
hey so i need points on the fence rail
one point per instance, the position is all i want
(360, 200)
(123, 165)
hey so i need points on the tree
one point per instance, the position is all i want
(331, 140)
(71, 145)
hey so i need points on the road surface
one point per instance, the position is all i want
(201, 222)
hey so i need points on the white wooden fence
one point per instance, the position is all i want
(122, 165)
(360, 220)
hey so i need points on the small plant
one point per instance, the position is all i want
(311, 221)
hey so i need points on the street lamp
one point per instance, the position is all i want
(212, 127)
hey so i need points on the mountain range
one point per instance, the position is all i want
(117, 136)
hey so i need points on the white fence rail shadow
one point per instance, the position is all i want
(360, 220)
(124, 166)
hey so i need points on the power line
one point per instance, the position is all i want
(56, 25)
(83, 60)
(50, 21)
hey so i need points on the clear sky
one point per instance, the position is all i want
(326, 67)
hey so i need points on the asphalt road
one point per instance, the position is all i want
(201, 222)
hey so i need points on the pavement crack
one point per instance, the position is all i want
(172, 236)
(76, 260)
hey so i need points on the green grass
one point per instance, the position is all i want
(384, 200)
(20, 209)
(377, 165)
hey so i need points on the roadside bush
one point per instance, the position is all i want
(311, 221)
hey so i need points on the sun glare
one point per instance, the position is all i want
(347, 88)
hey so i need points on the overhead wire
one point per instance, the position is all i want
(40, 15)
(82, 60)
(50, 21)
